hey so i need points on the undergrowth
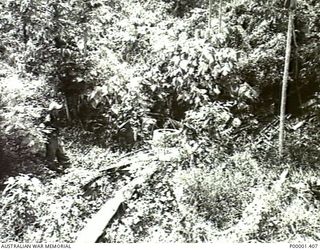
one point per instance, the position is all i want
(207, 197)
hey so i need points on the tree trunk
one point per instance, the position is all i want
(85, 40)
(285, 84)
(67, 108)
(210, 14)
(220, 15)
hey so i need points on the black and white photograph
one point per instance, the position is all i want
(159, 121)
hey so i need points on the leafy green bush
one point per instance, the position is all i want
(221, 192)
(212, 121)
(18, 209)
(46, 211)
(24, 101)
(303, 142)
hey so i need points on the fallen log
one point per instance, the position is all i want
(96, 225)
(128, 163)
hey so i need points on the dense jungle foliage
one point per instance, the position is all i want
(184, 94)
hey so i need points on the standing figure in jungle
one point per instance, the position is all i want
(54, 147)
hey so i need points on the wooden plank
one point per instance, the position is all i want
(122, 165)
(96, 225)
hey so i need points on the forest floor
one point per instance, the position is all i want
(235, 197)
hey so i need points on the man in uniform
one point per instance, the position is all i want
(54, 148)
